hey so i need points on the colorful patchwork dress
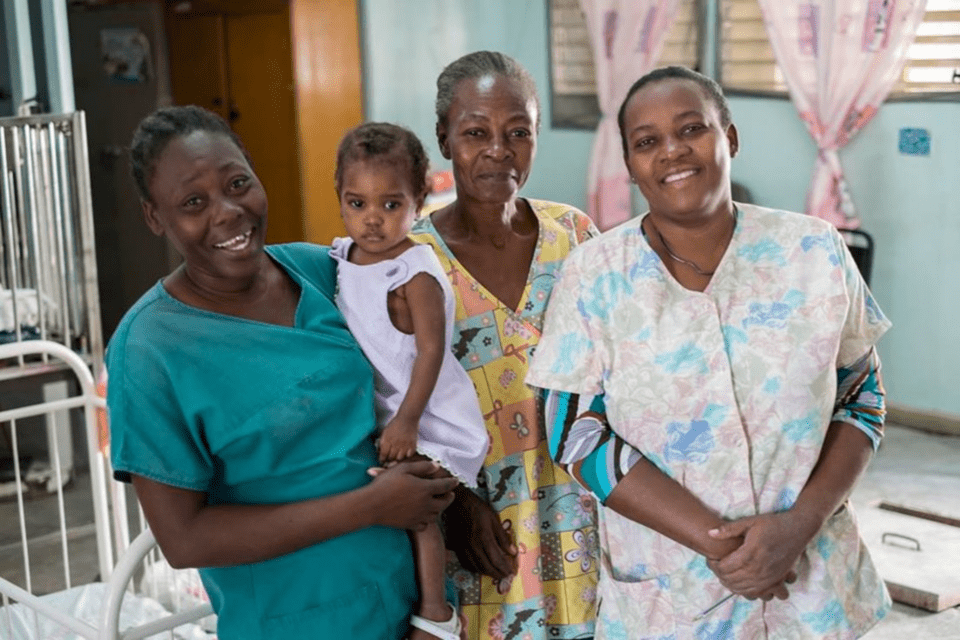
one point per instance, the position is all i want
(729, 391)
(551, 518)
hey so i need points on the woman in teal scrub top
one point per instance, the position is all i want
(242, 410)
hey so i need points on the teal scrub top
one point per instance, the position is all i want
(253, 413)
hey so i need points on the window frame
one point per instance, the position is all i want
(731, 91)
(566, 110)
(582, 113)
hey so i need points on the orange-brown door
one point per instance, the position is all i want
(326, 42)
(264, 114)
(241, 66)
(198, 63)
(288, 77)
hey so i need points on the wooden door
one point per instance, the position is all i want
(241, 66)
(234, 48)
(198, 73)
(264, 114)
(329, 102)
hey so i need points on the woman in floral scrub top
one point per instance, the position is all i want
(526, 541)
(730, 349)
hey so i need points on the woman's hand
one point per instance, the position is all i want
(398, 440)
(409, 495)
(476, 535)
(763, 565)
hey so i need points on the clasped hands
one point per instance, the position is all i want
(754, 557)
(758, 554)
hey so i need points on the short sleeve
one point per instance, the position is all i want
(865, 323)
(149, 434)
(583, 227)
(311, 262)
(570, 353)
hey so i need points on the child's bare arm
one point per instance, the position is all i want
(424, 298)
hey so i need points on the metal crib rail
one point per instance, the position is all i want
(47, 252)
(110, 613)
(131, 556)
(89, 402)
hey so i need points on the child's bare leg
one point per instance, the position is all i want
(431, 558)
(431, 573)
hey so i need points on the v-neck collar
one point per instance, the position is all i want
(301, 283)
(737, 222)
(464, 272)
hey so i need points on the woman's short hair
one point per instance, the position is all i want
(709, 86)
(385, 142)
(477, 65)
(155, 132)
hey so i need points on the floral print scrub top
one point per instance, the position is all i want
(730, 392)
(552, 519)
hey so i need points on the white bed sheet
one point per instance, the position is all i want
(85, 603)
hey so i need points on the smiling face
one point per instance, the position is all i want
(206, 199)
(490, 136)
(378, 206)
(677, 150)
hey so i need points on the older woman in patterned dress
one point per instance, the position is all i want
(526, 541)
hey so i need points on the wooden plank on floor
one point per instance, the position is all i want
(917, 511)
(932, 421)
(919, 559)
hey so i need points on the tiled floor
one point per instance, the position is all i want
(911, 466)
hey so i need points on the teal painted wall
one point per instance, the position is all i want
(909, 204)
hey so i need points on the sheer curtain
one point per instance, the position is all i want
(626, 37)
(840, 58)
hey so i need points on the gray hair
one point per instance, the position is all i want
(477, 65)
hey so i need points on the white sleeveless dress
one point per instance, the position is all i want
(451, 429)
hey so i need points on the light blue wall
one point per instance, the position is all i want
(912, 206)
(909, 204)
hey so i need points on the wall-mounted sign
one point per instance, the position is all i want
(125, 52)
(914, 142)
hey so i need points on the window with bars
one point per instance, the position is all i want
(747, 62)
(572, 81)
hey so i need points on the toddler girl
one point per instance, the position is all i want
(399, 306)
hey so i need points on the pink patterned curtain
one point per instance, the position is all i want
(626, 37)
(840, 59)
